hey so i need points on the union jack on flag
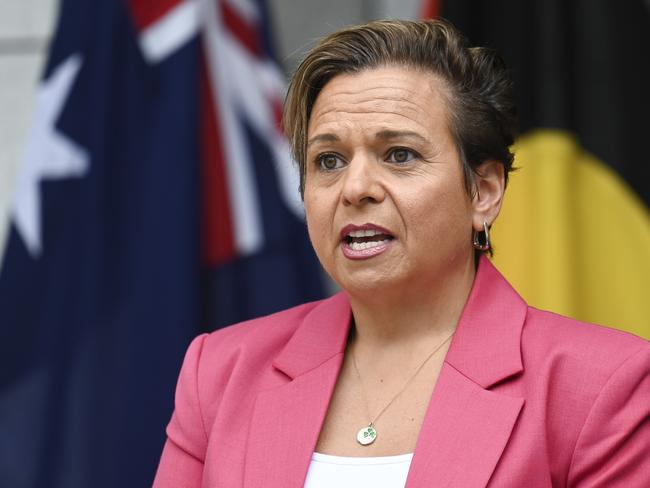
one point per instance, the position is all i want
(241, 80)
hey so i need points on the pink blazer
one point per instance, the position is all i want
(525, 398)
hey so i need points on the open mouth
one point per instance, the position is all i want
(361, 239)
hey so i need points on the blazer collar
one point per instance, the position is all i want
(468, 425)
(487, 344)
(485, 348)
(322, 334)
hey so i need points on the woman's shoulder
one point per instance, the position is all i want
(234, 362)
(557, 331)
(268, 333)
(580, 351)
(591, 386)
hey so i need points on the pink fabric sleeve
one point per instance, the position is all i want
(613, 448)
(181, 463)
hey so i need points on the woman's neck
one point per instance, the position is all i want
(411, 316)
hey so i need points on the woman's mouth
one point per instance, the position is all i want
(365, 241)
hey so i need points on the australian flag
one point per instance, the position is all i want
(156, 200)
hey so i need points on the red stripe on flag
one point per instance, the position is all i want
(218, 244)
(276, 107)
(245, 33)
(147, 12)
(431, 9)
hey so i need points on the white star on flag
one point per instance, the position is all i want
(49, 154)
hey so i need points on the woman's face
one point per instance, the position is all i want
(385, 198)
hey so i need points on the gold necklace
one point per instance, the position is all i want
(368, 435)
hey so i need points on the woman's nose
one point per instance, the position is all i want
(361, 183)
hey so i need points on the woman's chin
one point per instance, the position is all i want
(373, 284)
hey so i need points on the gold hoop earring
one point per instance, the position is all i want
(484, 243)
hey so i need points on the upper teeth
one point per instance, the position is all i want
(363, 233)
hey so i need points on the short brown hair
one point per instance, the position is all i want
(482, 115)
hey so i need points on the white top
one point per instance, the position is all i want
(327, 471)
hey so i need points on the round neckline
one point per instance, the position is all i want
(361, 460)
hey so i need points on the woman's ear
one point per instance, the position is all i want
(489, 185)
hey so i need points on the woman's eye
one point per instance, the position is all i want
(330, 161)
(401, 155)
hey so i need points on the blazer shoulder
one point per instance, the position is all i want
(594, 383)
(261, 332)
(232, 363)
(588, 350)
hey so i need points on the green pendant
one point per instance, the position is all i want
(367, 435)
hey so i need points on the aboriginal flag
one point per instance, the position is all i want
(574, 232)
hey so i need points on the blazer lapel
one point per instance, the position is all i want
(468, 422)
(287, 420)
(464, 433)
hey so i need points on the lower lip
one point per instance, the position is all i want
(371, 252)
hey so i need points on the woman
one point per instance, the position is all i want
(428, 369)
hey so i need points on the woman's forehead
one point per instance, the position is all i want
(382, 97)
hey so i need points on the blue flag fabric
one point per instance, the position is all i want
(99, 300)
(102, 285)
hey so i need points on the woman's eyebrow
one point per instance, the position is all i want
(385, 135)
(327, 137)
